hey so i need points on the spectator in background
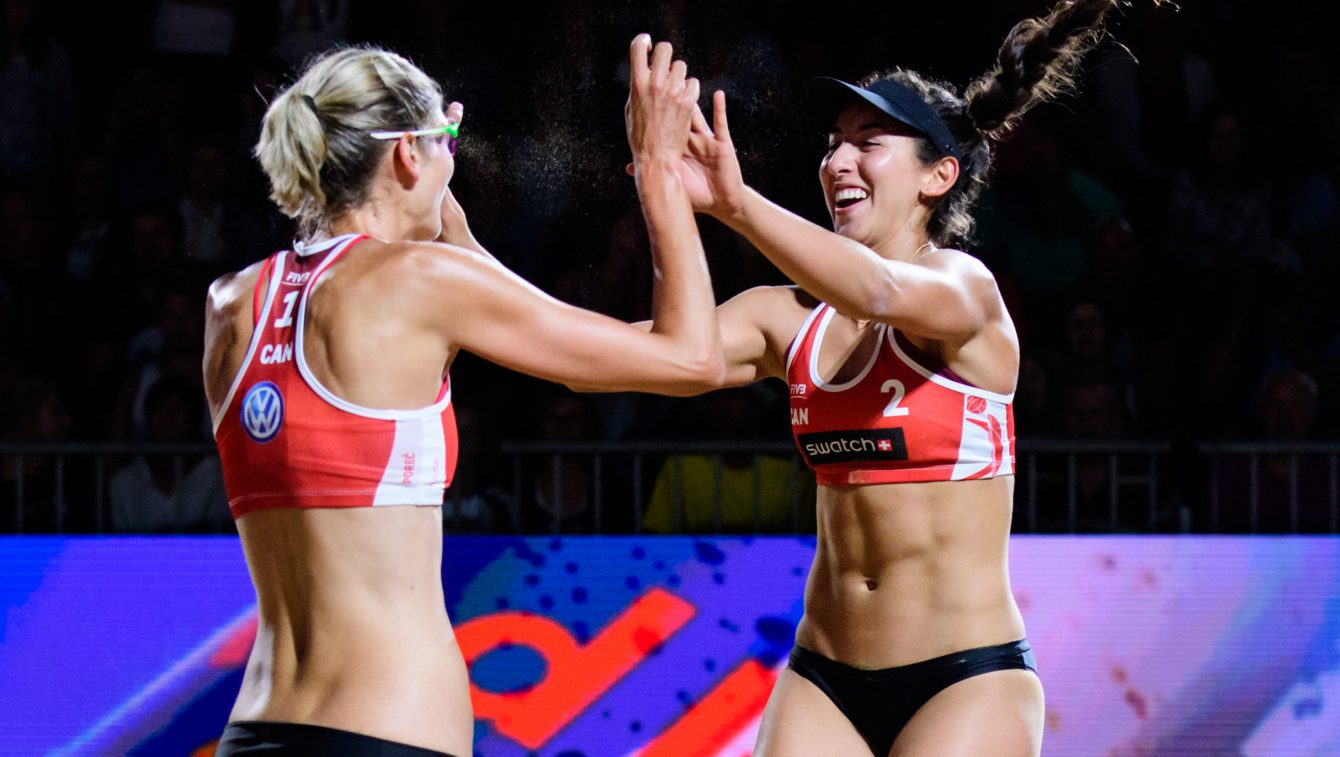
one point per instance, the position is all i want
(1282, 492)
(610, 273)
(147, 257)
(1090, 354)
(37, 98)
(1034, 409)
(170, 493)
(1218, 216)
(202, 208)
(172, 347)
(31, 499)
(475, 503)
(1041, 214)
(1142, 96)
(1310, 219)
(1311, 207)
(1118, 280)
(1259, 329)
(754, 492)
(87, 245)
(560, 488)
(1090, 411)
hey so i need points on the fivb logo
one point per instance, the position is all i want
(262, 412)
(853, 446)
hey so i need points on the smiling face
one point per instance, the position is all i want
(871, 175)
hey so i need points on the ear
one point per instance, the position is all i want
(405, 161)
(940, 178)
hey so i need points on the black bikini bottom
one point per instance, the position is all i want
(881, 702)
(254, 737)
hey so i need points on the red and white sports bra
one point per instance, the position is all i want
(287, 441)
(903, 419)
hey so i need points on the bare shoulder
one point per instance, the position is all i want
(232, 292)
(435, 259)
(958, 262)
(228, 329)
(421, 273)
(965, 268)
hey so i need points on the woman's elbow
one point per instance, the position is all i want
(714, 373)
(705, 373)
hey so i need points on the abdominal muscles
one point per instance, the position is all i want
(906, 572)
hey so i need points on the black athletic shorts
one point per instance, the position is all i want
(257, 738)
(880, 702)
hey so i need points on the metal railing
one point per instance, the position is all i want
(638, 455)
(1321, 478)
(38, 475)
(1141, 471)
(1063, 486)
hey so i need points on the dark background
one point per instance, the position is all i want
(1167, 239)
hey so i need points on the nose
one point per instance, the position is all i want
(842, 159)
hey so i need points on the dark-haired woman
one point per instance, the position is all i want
(902, 363)
(326, 372)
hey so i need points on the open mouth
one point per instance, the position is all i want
(848, 197)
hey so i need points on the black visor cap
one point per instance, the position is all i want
(826, 97)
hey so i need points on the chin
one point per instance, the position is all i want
(848, 230)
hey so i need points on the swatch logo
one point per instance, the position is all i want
(262, 412)
(878, 445)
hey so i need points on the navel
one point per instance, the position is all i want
(871, 584)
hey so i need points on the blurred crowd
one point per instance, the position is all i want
(1164, 239)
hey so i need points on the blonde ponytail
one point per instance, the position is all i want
(314, 144)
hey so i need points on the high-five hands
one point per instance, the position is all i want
(662, 116)
(710, 170)
(661, 102)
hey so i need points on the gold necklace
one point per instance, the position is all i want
(917, 254)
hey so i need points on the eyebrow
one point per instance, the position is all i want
(867, 126)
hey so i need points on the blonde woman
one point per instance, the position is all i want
(326, 371)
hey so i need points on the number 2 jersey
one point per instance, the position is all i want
(902, 419)
(287, 441)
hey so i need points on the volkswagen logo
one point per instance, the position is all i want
(262, 411)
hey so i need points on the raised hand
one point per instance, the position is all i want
(710, 170)
(455, 229)
(661, 102)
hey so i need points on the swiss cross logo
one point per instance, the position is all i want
(884, 445)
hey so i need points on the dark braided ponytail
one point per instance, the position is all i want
(1036, 63)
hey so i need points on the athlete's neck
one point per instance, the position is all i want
(904, 242)
(385, 221)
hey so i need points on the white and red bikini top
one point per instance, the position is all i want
(902, 419)
(287, 441)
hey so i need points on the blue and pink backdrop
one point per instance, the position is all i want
(669, 645)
